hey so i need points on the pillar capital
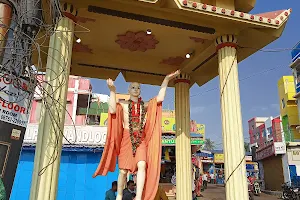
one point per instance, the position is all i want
(183, 78)
(226, 41)
(69, 11)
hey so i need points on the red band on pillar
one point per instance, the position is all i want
(70, 16)
(226, 44)
(182, 81)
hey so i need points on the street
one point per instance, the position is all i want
(214, 192)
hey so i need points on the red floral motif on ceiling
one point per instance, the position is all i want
(197, 40)
(175, 61)
(137, 41)
(84, 19)
(82, 48)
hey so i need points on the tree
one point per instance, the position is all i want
(209, 144)
(247, 147)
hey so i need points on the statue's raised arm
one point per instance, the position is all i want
(162, 92)
(112, 97)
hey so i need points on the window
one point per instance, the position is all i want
(264, 133)
(283, 103)
(270, 131)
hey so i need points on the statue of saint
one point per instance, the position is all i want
(134, 136)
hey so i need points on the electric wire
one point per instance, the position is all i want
(22, 42)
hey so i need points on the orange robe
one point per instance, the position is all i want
(152, 143)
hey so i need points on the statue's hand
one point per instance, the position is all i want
(110, 84)
(173, 75)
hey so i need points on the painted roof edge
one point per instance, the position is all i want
(200, 7)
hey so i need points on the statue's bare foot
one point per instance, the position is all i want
(119, 197)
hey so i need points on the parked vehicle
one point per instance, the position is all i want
(290, 193)
(256, 188)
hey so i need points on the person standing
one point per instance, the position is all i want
(213, 178)
(111, 193)
(205, 179)
(128, 193)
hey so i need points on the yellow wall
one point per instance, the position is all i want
(288, 105)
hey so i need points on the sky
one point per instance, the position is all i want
(259, 94)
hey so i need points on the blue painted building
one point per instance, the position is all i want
(75, 177)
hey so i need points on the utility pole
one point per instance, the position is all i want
(16, 85)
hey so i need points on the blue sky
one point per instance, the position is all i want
(259, 94)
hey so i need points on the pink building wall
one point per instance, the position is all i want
(84, 87)
(257, 127)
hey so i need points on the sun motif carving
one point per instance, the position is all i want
(137, 41)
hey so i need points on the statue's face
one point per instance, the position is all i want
(134, 89)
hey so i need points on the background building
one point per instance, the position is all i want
(295, 66)
(82, 146)
(268, 148)
(293, 148)
(288, 108)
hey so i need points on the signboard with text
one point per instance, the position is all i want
(219, 158)
(77, 135)
(168, 125)
(296, 155)
(266, 152)
(279, 148)
(15, 100)
(194, 141)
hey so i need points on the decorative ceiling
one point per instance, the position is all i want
(147, 40)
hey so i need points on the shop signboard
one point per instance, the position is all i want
(207, 161)
(219, 158)
(76, 135)
(296, 155)
(103, 119)
(248, 158)
(168, 125)
(194, 141)
(279, 148)
(15, 101)
(265, 152)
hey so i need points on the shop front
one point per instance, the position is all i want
(80, 157)
(251, 167)
(168, 163)
(271, 160)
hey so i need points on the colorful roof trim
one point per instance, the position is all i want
(272, 18)
(271, 15)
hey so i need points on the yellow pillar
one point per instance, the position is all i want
(51, 126)
(233, 140)
(183, 139)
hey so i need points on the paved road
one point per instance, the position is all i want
(218, 193)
